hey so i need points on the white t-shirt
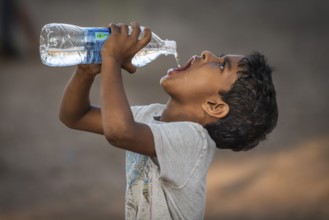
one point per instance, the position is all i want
(172, 185)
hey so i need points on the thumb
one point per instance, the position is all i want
(130, 67)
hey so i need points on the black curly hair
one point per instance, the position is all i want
(253, 108)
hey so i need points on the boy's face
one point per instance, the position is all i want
(202, 77)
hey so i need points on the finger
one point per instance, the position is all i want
(130, 68)
(136, 30)
(146, 38)
(114, 29)
(123, 28)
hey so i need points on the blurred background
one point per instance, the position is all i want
(48, 171)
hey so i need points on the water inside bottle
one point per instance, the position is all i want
(62, 57)
(145, 56)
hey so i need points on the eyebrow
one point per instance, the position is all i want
(228, 62)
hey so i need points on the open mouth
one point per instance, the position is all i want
(174, 71)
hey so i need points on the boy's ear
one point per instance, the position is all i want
(216, 108)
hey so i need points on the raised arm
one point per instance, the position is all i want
(120, 128)
(76, 111)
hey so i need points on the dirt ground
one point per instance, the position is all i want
(48, 171)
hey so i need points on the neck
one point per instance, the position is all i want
(175, 111)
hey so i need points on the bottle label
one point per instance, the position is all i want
(101, 35)
(95, 38)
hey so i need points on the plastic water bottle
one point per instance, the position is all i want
(67, 45)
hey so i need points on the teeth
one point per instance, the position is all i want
(193, 60)
(170, 70)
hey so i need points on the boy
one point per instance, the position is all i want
(225, 102)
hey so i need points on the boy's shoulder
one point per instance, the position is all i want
(141, 112)
(153, 106)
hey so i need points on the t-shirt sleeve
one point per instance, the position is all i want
(180, 148)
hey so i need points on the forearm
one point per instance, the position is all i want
(75, 102)
(119, 126)
(117, 118)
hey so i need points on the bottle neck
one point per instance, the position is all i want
(170, 47)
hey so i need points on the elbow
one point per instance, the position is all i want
(114, 140)
(62, 119)
(68, 123)
(116, 137)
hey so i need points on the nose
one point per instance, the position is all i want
(207, 55)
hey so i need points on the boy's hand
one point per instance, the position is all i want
(122, 47)
(91, 69)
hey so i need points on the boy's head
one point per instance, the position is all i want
(234, 97)
(253, 109)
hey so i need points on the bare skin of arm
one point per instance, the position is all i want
(120, 128)
(114, 119)
(76, 112)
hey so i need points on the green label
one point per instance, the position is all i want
(101, 35)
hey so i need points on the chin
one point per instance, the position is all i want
(164, 83)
